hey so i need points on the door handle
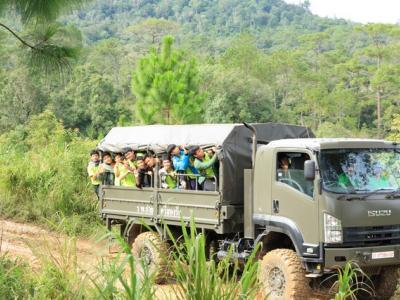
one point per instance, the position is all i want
(275, 206)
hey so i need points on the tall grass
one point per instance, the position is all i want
(43, 175)
(117, 278)
(15, 281)
(351, 280)
(198, 278)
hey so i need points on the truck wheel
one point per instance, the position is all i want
(282, 276)
(151, 254)
(386, 283)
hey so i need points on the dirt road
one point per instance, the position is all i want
(31, 243)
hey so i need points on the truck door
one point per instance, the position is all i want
(292, 196)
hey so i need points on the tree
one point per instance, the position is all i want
(380, 52)
(89, 102)
(234, 97)
(20, 98)
(152, 30)
(50, 45)
(166, 87)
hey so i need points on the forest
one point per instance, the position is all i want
(253, 61)
(69, 73)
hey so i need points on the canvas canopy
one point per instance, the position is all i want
(235, 140)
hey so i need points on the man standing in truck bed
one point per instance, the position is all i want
(205, 165)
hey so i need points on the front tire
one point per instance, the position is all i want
(151, 254)
(283, 277)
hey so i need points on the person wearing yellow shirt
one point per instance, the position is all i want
(118, 168)
(128, 171)
(94, 172)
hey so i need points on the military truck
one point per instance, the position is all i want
(313, 204)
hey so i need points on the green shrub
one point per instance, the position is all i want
(44, 174)
(15, 282)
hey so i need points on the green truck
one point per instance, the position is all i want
(314, 204)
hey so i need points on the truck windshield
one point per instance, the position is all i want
(360, 170)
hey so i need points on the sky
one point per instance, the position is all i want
(363, 11)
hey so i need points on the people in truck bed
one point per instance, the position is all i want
(180, 161)
(93, 171)
(106, 169)
(167, 174)
(144, 176)
(118, 167)
(127, 175)
(181, 168)
(205, 166)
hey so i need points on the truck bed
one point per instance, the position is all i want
(161, 206)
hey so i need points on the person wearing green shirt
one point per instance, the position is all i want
(118, 168)
(206, 167)
(93, 170)
(130, 158)
(127, 175)
(167, 175)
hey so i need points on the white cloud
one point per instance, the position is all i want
(364, 11)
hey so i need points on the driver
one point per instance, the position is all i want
(349, 178)
(284, 165)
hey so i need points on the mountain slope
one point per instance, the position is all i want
(102, 19)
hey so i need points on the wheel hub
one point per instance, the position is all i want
(145, 256)
(276, 281)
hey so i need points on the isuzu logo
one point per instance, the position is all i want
(379, 213)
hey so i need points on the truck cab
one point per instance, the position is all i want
(335, 201)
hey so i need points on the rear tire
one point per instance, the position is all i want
(283, 277)
(151, 254)
(386, 283)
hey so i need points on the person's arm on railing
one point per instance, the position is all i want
(201, 165)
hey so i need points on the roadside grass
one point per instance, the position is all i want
(16, 280)
(198, 278)
(351, 280)
(43, 176)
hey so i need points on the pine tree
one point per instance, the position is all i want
(165, 84)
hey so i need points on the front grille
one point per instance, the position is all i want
(374, 235)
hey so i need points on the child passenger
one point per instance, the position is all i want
(127, 174)
(118, 167)
(167, 175)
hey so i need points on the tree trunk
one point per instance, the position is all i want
(378, 112)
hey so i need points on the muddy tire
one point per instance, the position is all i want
(386, 283)
(151, 253)
(282, 276)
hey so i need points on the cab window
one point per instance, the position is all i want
(290, 171)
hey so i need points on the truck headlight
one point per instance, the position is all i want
(333, 229)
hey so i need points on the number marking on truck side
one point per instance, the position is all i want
(145, 210)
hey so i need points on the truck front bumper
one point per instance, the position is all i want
(363, 256)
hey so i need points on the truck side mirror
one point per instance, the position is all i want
(309, 169)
